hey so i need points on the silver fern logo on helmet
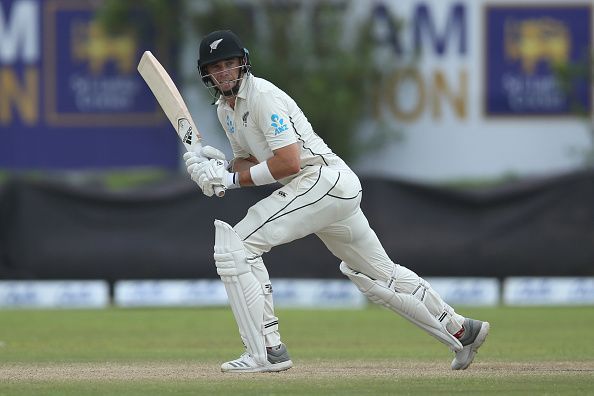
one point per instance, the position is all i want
(215, 44)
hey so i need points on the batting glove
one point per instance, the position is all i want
(192, 160)
(195, 165)
(210, 152)
(217, 175)
(205, 186)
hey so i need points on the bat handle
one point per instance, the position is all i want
(219, 191)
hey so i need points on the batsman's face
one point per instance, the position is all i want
(225, 73)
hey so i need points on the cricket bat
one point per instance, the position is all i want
(172, 104)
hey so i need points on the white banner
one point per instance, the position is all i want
(54, 294)
(317, 293)
(136, 293)
(288, 293)
(467, 291)
(294, 293)
(548, 291)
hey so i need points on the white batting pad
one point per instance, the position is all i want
(400, 298)
(244, 291)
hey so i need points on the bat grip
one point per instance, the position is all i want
(219, 191)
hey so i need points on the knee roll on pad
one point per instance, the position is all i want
(410, 296)
(245, 292)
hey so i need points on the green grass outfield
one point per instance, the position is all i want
(336, 352)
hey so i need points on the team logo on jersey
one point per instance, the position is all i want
(215, 44)
(244, 118)
(230, 125)
(278, 124)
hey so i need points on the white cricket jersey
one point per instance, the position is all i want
(265, 119)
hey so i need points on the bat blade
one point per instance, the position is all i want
(169, 98)
(172, 103)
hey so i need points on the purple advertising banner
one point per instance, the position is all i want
(70, 94)
(524, 45)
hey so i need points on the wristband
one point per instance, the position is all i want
(261, 174)
(233, 180)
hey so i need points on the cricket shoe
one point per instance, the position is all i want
(278, 360)
(475, 333)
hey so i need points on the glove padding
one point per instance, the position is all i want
(192, 160)
(207, 152)
(209, 169)
(194, 163)
(210, 152)
(216, 174)
(199, 176)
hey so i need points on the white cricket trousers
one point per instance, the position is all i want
(325, 201)
(322, 201)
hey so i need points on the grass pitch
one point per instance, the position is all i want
(347, 352)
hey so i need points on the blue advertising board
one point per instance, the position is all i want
(524, 45)
(70, 94)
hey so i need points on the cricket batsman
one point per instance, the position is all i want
(272, 141)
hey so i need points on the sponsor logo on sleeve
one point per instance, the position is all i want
(278, 124)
